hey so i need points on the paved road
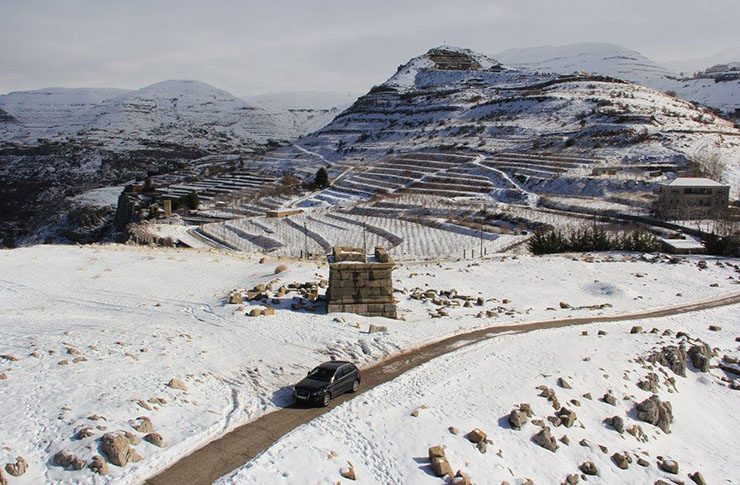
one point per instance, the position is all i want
(237, 447)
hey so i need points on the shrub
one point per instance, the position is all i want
(281, 268)
(586, 239)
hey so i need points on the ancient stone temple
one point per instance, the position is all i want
(359, 283)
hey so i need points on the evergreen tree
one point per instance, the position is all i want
(322, 178)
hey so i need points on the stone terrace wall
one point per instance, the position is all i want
(362, 286)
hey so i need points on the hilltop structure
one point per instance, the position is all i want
(361, 284)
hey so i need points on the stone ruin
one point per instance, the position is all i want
(360, 283)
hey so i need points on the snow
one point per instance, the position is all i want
(477, 387)
(103, 197)
(143, 316)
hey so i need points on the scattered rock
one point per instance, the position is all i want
(3, 480)
(616, 422)
(604, 449)
(656, 412)
(563, 383)
(99, 466)
(453, 430)
(64, 458)
(441, 466)
(131, 437)
(572, 479)
(517, 418)
(155, 439)
(601, 332)
(461, 478)
(565, 305)
(3, 376)
(609, 398)
(584, 333)
(567, 417)
(588, 468)
(700, 356)
(565, 440)
(177, 384)
(118, 449)
(436, 451)
(672, 357)
(697, 478)
(18, 468)
(637, 432)
(482, 447)
(643, 462)
(587, 396)
(85, 432)
(620, 460)
(377, 328)
(143, 425)
(636, 329)
(281, 268)
(651, 383)
(11, 358)
(78, 463)
(476, 436)
(669, 466)
(546, 440)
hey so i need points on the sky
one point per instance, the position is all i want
(254, 47)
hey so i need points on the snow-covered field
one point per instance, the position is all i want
(99, 331)
(478, 386)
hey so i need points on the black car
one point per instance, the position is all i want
(327, 381)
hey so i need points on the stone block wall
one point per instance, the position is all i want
(362, 285)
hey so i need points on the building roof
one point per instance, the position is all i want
(694, 182)
(688, 243)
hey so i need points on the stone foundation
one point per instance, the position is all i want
(362, 285)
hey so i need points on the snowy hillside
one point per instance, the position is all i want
(91, 338)
(503, 129)
(622, 63)
(598, 58)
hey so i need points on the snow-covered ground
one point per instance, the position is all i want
(101, 330)
(478, 386)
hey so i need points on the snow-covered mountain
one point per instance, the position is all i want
(616, 61)
(598, 58)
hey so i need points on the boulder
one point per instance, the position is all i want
(453, 430)
(643, 462)
(637, 432)
(236, 299)
(476, 436)
(669, 466)
(155, 439)
(441, 466)
(268, 311)
(621, 460)
(143, 425)
(572, 479)
(18, 468)
(526, 408)
(565, 305)
(517, 418)
(64, 458)
(78, 463)
(609, 398)
(377, 328)
(436, 452)
(697, 478)
(636, 329)
(715, 328)
(700, 356)
(567, 417)
(99, 466)
(348, 472)
(177, 384)
(656, 412)
(255, 312)
(563, 383)
(461, 478)
(546, 440)
(131, 437)
(588, 468)
(616, 422)
(281, 268)
(482, 447)
(118, 449)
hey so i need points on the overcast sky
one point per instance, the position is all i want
(252, 47)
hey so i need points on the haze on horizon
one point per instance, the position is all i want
(251, 48)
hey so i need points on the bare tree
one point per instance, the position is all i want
(710, 165)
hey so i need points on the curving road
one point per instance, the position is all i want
(237, 447)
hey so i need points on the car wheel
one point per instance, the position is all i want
(326, 399)
(355, 385)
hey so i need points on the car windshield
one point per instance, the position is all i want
(321, 374)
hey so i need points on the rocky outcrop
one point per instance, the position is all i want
(672, 357)
(118, 449)
(99, 466)
(700, 356)
(18, 468)
(546, 440)
(656, 412)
